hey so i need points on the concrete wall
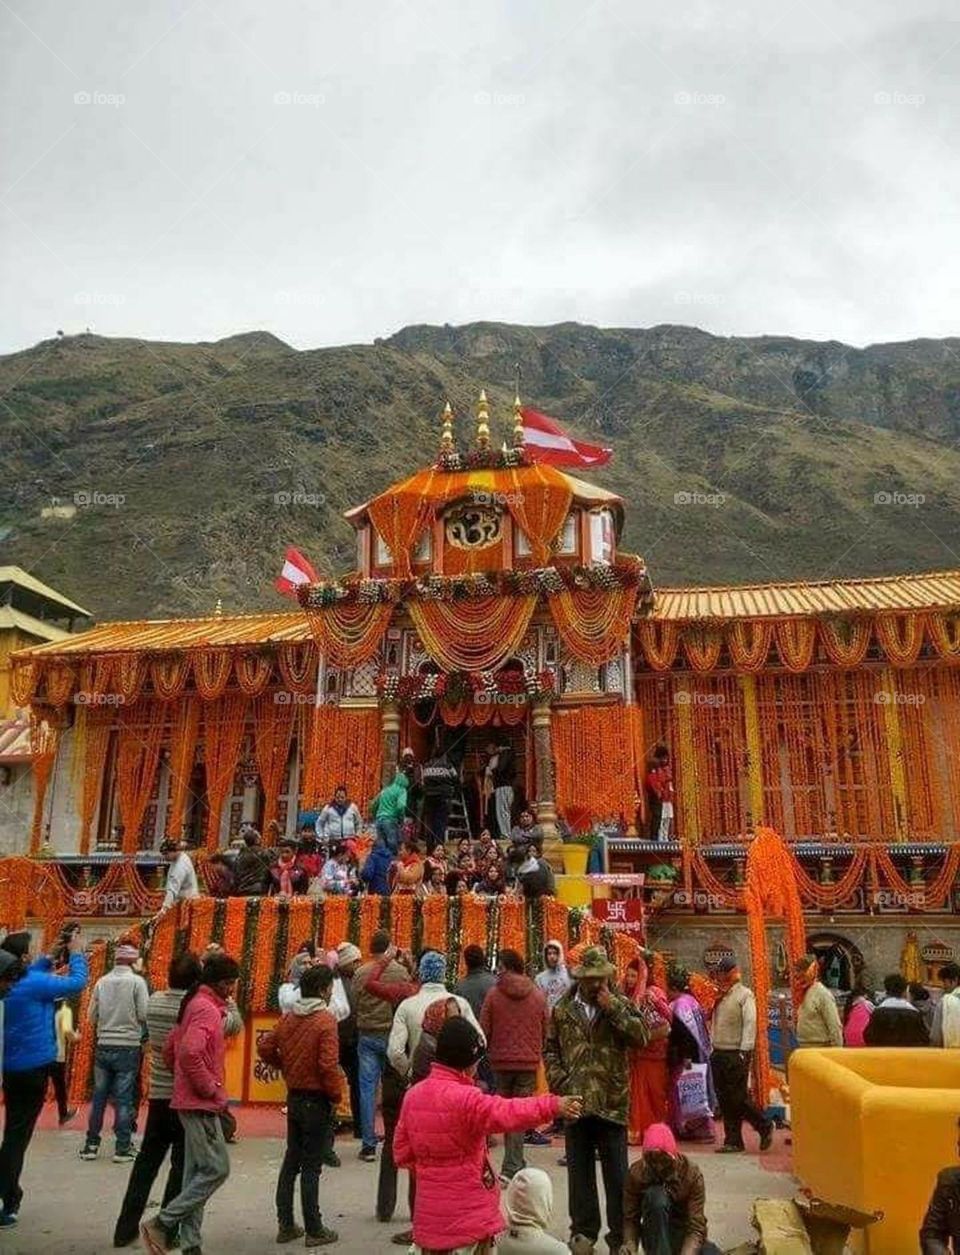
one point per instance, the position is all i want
(16, 810)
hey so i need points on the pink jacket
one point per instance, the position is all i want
(442, 1137)
(856, 1024)
(194, 1051)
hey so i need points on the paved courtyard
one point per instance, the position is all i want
(70, 1206)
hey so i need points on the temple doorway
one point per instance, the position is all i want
(841, 962)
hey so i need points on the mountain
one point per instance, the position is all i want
(182, 470)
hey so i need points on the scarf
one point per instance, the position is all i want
(286, 870)
(307, 1006)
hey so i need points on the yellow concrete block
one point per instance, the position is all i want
(574, 890)
(871, 1130)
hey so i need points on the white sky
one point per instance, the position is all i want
(333, 171)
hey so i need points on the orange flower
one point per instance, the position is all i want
(81, 1059)
(434, 913)
(369, 921)
(401, 919)
(335, 917)
(264, 954)
(201, 923)
(234, 926)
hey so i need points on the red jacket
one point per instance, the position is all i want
(194, 1052)
(442, 1137)
(305, 1046)
(514, 1019)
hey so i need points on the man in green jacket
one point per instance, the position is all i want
(588, 1037)
(388, 809)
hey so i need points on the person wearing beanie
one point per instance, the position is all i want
(195, 1052)
(118, 1015)
(374, 1016)
(663, 1202)
(529, 1206)
(29, 1047)
(408, 1021)
(442, 1138)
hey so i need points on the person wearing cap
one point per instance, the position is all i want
(181, 878)
(663, 1201)
(408, 1021)
(734, 1032)
(818, 1020)
(118, 1014)
(589, 1037)
(29, 1047)
(442, 1138)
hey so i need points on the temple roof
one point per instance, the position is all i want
(19, 578)
(935, 590)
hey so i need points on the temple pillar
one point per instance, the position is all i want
(390, 736)
(546, 790)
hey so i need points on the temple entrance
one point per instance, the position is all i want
(841, 962)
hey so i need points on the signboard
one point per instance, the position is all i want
(624, 915)
(264, 1083)
(632, 880)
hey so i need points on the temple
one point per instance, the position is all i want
(491, 602)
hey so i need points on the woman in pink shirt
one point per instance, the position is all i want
(856, 1016)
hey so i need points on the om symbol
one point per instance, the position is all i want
(473, 526)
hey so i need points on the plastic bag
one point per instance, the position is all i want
(692, 1094)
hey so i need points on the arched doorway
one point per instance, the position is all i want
(841, 962)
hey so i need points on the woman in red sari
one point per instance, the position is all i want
(649, 1071)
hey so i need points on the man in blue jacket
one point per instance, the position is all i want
(375, 873)
(29, 1048)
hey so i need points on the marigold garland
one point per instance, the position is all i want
(598, 758)
(234, 926)
(169, 674)
(183, 750)
(555, 920)
(161, 949)
(201, 923)
(211, 672)
(513, 926)
(44, 744)
(702, 646)
(796, 639)
(369, 922)
(264, 954)
(140, 736)
(344, 745)
(944, 630)
(335, 921)
(223, 728)
(401, 920)
(474, 636)
(348, 635)
(901, 637)
(81, 1057)
(594, 623)
(92, 740)
(433, 911)
(300, 928)
(272, 738)
(253, 672)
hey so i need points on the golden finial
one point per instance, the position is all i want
(446, 438)
(218, 609)
(483, 422)
(517, 423)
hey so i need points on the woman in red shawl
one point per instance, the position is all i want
(649, 1071)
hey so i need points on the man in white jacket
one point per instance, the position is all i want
(181, 878)
(945, 1030)
(408, 1020)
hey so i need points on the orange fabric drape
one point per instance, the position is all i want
(474, 635)
(349, 635)
(344, 745)
(183, 752)
(594, 622)
(95, 722)
(138, 754)
(539, 503)
(598, 757)
(223, 727)
(44, 744)
(272, 736)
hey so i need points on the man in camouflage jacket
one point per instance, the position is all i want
(590, 1033)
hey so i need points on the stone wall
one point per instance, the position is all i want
(16, 810)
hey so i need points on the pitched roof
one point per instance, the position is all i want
(10, 617)
(17, 575)
(15, 741)
(157, 635)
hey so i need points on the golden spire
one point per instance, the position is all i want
(446, 438)
(218, 608)
(517, 423)
(483, 422)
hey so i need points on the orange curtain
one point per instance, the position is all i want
(344, 746)
(91, 742)
(138, 754)
(272, 735)
(44, 744)
(183, 751)
(594, 622)
(349, 635)
(223, 726)
(598, 757)
(478, 634)
(539, 502)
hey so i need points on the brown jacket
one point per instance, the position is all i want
(685, 1190)
(374, 1015)
(305, 1047)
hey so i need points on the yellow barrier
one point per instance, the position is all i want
(871, 1130)
(573, 890)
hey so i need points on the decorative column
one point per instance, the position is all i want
(894, 744)
(546, 791)
(751, 719)
(390, 731)
(689, 833)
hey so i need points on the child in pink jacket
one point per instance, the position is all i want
(442, 1137)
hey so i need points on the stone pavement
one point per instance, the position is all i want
(70, 1206)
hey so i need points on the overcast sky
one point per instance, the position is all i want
(333, 171)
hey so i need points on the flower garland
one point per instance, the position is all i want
(599, 760)
(272, 738)
(344, 744)
(489, 459)
(513, 926)
(335, 921)
(300, 928)
(160, 954)
(265, 953)
(224, 722)
(350, 633)
(401, 919)
(234, 926)
(138, 756)
(369, 922)
(211, 672)
(183, 752)
(44, 744)
(433, 911)
(459, 687)
(201, 923)
(900, 637)
(81, 1057)
(472, 637)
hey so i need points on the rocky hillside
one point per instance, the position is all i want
(150, 479)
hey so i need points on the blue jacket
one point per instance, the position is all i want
(374, 871)
(29, 1038)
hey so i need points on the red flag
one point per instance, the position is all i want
(296, 571)
(546, 441)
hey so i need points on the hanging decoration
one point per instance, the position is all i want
(253, 672)
(466, 687)
(272, 738)
(183, 752)
(659, 641)
(599, 761)
(476, 637)
(796, 639)
(139, 737)
(539, 501)
(91, 742)
(297, 665)
(702, 647)
(944, 630)
(169, 674)
(347, 635)
(223, 727)
(594, 622)
(748, 641)
(24, 675)
(344, 746)
(845, 641)
(900, 637)
(211, 672)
